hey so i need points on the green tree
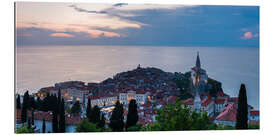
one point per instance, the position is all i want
(62, 120)
(86, 126)
(25, 107)
(242, 109)
(18, 104)
(116, 120)
(76, 108)
(24, 129)
(43, 126)
(136, 127)
(174, 117)
(132, 116)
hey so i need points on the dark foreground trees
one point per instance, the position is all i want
(132, 116)
(242, 109)
(116, 120)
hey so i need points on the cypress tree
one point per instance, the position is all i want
(55, 113)
(95, 114)
(242, 109)
(101, 123)
(25, 107)
(116, 120)
(33, 122)
(89, 111)
(29, 123)
(43, 126)
(18, 104)
(54, 123)
(62, 120)
(132, 116)
(76, 108)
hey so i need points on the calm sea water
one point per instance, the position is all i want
(41, 66)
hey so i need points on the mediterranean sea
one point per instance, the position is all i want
(42, 66)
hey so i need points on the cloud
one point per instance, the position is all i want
(120, 4)
(61, 35)
(249, 35)
(87, 11)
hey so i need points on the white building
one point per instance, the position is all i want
(140, 97)
(102, 101)
(76, 93)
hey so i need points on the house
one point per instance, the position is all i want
(220, 104)
(227, 116)
(208, 105)
(254, 117)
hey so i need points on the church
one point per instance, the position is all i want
(199, 77)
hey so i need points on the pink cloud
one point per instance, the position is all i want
(61, 35)
(249, 35)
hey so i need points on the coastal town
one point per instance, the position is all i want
(151, 88)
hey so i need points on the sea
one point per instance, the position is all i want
(40, 66)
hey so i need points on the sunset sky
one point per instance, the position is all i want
(131, 24)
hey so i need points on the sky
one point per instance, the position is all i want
(136, 24)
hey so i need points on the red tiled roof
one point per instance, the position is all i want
(228, 114)
(207, 101)
(221, 94)
(189, 101)
(148, 104)
(254, 122)
(172, 99)
(220, 101)
(233, 100)
(254, 113)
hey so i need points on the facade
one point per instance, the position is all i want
(77, 93)
(140, 97)
(103, 101)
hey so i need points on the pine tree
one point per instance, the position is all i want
(132, 117)
(89, 111)
(242, 109)
(18, 104)
(25, 107)
(116, 120)
(43, 126)
(62, 121)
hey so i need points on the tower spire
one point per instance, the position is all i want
(198, 62)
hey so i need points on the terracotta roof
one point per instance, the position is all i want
(189, 101)
(207, 101)
(254, 122)
(228, 114)
(220, 101)
(233, 100)
(172, 99)
(254, 113)
(221, 94)
(148, 104)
